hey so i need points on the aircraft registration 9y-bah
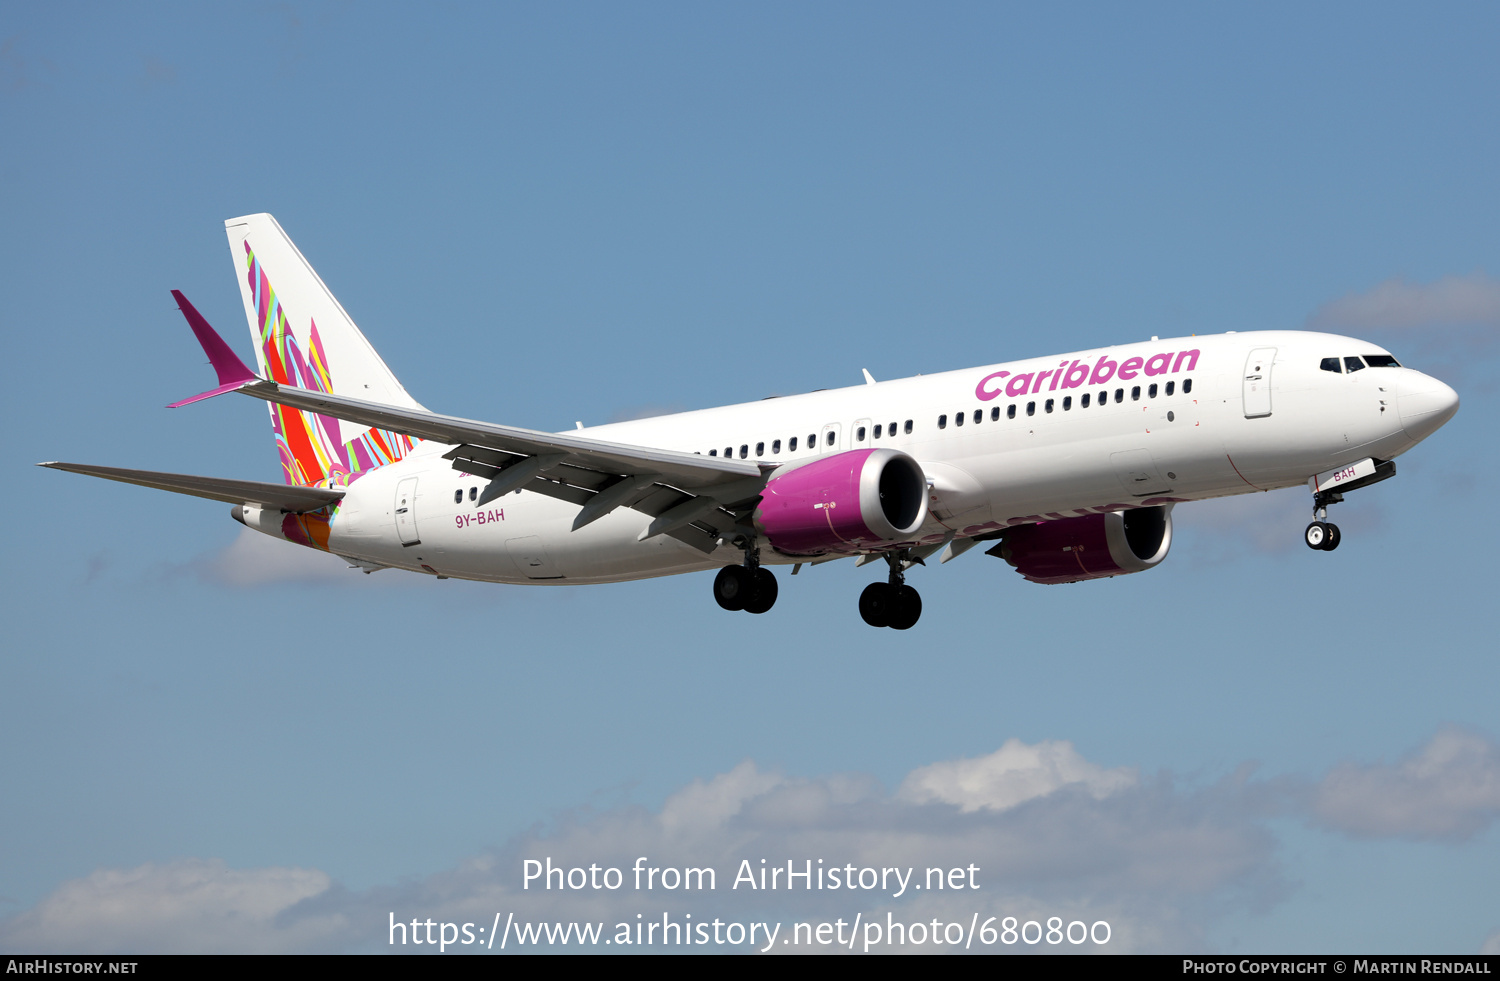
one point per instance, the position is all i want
(1068, 466)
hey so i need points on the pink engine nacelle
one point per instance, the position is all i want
(1095, 546)
(844, 503)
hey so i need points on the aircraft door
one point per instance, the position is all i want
(406, 511)
(862, 433)
(1258, 382)
(830, 440)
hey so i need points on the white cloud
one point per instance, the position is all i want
(1042, 830)
(1473, 299)
(253, 559)
(1071, 839)
(703, 805)
(1450, 789)
(1011, 775)
(1262, 522)
(1046, 832)
(184, 907)
(1221, 530)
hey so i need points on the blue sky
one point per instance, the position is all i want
(546, 213)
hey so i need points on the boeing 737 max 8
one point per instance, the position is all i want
(1067, 466)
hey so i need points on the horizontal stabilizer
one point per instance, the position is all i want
(257, 493)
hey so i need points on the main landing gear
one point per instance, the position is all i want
(892, 603)
(1322, 534)
(745, 587)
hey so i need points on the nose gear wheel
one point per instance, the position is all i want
(1323, 535)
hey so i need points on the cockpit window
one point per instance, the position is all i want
(1330, 364)
(1381, 361)
(1353, 364)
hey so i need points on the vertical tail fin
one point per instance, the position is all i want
(304, 337)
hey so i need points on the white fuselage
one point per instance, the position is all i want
(1244, 412)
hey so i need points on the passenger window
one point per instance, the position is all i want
(859, 434)
(1104, 397)
(1381, 361)
(1083, 401)
(812, 441)
(1031, 408)
(1353, 364)
(942, 422)
(1187, 386)
(908, 427)
(1151, 392)
(891, 429)
(877, 430)
(958, 419)
(1119, 395)
(713, 452)
(1135, 393)
(1170, 387)
(1049, 405)
(744, 450)
(473, 493)
(830, 437)
(978, 415)
(729, 452)
(1331, 364)
(1010, 412)
(791, 445)
(776, 446)
(995, 414)
(1067, 402)
(760, 449)
(458, 496)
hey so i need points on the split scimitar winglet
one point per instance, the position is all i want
(233, 373)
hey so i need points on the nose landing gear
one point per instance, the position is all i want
(892, 603)
(1322, 534)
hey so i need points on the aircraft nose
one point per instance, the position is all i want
(1425, 404)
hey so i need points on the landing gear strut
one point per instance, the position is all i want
(746, 587)
(1322, 534)
(892, 603)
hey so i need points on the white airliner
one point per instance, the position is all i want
(1068, 466)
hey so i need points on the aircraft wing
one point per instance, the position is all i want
(693, 498)
(253, 492)
(686, 470)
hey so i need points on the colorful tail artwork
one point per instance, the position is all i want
(313, 450)
(304, 338)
